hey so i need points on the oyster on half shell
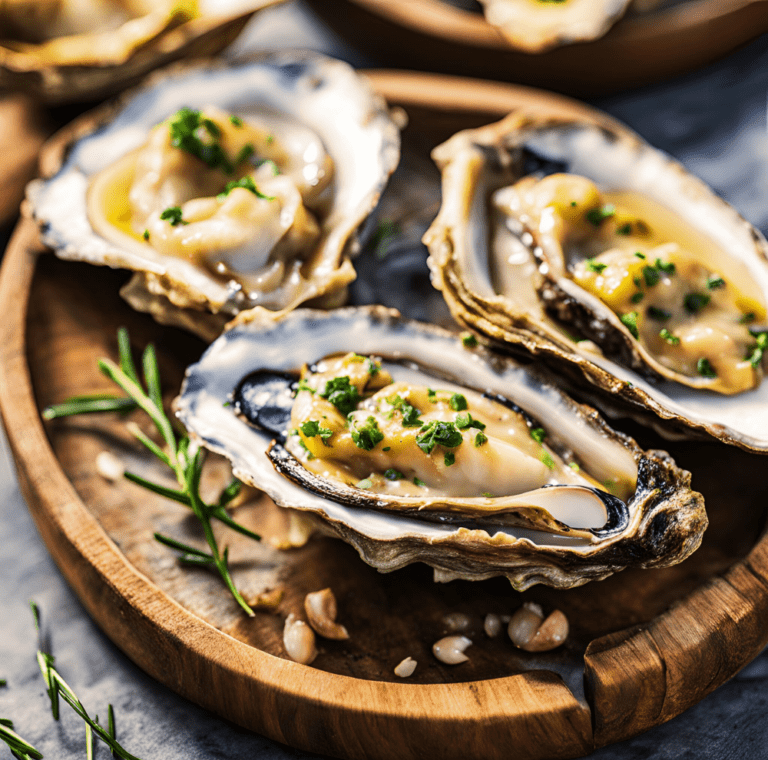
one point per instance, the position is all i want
(576, 241)
(399, 438)
(75, 50)
(223, 187)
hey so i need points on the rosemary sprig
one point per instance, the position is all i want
(184, 457)
(58, 687)
(20, 749)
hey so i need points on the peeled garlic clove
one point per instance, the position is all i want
(321, 610)
(450, 649)
(457, 621)
(529, 630)
(405, 668)
(524, 624)
(299, 640)
(492, 625)
(551, 634)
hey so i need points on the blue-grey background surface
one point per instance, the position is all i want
(714, 122)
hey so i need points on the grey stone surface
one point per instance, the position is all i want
(714, 121)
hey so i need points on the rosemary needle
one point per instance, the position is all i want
(58, 687)
(182, 456)
(20, 749)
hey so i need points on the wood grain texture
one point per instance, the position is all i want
(431, 35)
(648, 643)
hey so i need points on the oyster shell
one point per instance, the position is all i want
(274, 249)
(75, 50)
(509, 278)
(235, 400)
(543, 24)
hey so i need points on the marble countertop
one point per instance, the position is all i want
(714, 122)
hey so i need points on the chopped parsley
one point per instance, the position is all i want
(665, 266)
(173, 215)
(756, 355)
(386, 448)
(538, 434)
(597, 216)
(246, 152)
(304, 386)
(392, 474)
(449, 459)
(480, 439)
(311, 428)
(715, 281)
(468, 340)
(629, 320)
(659, 314)
(310, 455)
(464, 421)
(640, 255)
(367, 436)
(438, 432)
(704, 368)
(637, 297)
(365, 483)
(236, 121)
(418, 482)
(624, 229)
(410, 413)
(546, 458)
(574, 466)
(199, 137)
(432, 396)
(747, 318)
(651, 276)
(341, 394)
(595, 266)
(667, 337)
(458, 402)
(373, 367)
(246, 183)
(695, 302)
(488, 494)
(638, 281)
(145, 234)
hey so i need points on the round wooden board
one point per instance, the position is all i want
(644, 645)
(432, 35)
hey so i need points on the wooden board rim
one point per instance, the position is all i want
(192, 649)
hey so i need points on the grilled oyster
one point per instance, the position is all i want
(577, 241)
(70, 50)
(400, 438)
(248, 193)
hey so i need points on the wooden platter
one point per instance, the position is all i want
(433, 35)
(644, 645)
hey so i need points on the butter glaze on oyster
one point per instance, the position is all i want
(69, 50)
(235, 401)
(508, 269)
(323, 147)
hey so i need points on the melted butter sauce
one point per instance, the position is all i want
(495, 455)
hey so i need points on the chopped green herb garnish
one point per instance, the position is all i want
(574, 466)
(311, 428)
(715, 281)
(304, 386)
(695, 302)
(173, 215)
(546, 458)
(236, 121)
(244, 154)
(756, 355)
(365, 483)
(667, 336)
(310, 455)
(658, 314)
(418, 482)
(275, 168)
(410, 413)
(386, 448)
(432, 396)
(458, 402)
(145, 234)
(438, 432)
(574, 204)
(449, 459)
(199, 136)
(488, 495)
(246, 183)
(595, 266)
(665, 266)
(480, 439)
(651, 276)
(538, 434)
(638, 281)
(637, 297)
(597, 216)
(367, 436)
(464, 421)
(392, 474)
(344, 396)
(629, 320)
(625, 229)
(705, 368)
(382, 238)
(270, 139)
(640, 255)
(468, 340)
(373, 367)
(747, 318)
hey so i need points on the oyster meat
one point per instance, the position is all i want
(68, 50)
(575, 240)
(226, 187)
(412, 446)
